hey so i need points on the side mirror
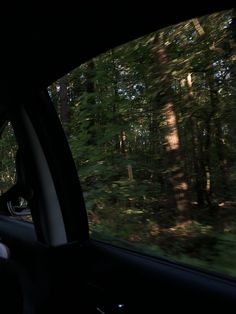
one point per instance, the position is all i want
(18, 207)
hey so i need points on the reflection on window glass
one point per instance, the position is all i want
(151, 125)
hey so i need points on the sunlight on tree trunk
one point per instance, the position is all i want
(172, 137)
(208, 182)
(177, 177)
(198, 27)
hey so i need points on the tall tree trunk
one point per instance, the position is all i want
(124, 151)
(115, 100)
(203, 179)
(196, 151)
(223, 165)
(215, 127)
(177, 177)
(90, 89)
(123, 148)
(198, 27)
(63, 102)
(207, 159)
(233, 74)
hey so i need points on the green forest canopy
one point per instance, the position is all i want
(151, 126)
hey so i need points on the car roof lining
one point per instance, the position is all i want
(43, 46)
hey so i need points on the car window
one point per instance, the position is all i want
(8, 149)
(11, 202)
(151, 126)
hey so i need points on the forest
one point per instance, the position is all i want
(151, 126)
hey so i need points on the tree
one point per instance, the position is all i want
(63, 102)
(175, 168)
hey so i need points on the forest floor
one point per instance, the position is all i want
(206, 239)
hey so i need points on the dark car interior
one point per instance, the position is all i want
(52, 265)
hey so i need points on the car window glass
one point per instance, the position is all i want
(151, 126)
(8, 149)
(10, 202)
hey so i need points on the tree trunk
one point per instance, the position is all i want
(63, 102)
(124, 151)
(90, 89)
(223, 165)
(123, 148)
(214, 127)
(198, 27)
(177, 177)
(196, 151)
(207, 160)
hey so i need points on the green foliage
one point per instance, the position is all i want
(8, 148)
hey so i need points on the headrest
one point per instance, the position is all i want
(4, 251)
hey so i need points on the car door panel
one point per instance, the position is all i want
(142, 283)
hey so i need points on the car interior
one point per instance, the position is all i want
(49, 263)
